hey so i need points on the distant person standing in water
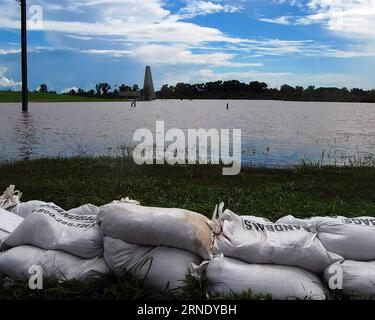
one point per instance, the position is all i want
(227, 106)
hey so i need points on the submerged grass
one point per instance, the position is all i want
(304, 191)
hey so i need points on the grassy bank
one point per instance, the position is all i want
(15, 96)
(272, 193)
(303, 191)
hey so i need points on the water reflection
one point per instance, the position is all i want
(26, 132)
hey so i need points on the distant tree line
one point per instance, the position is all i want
(101, 90)
(259, 90)
(232, 90)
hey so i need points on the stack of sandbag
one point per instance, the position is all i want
(257, 240)
(277, 259)
(227, 276)
(353, 239)
(155, 244)
(67, 245)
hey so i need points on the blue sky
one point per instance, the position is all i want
(83, 42)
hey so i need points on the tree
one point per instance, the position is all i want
(43, 88)
(105, 88)
(287, 92)
(98, 88)
(124, 88)
(166, 92)
(135, 87)
(258, 87)
(102, 88)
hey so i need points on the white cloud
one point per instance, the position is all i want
(109, 52)
(72, 36)
(275, 47)
(149, 32)
(285, 20)
(145, 25)
(202, 8)
(6, 82)
(354, 19)
(67, 90)
(9, 51)
(168, 30)
(158, 54)
(290, 2)
(134, 20)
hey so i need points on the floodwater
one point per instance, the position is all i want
(273, 132)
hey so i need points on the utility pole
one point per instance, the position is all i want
(25, 94)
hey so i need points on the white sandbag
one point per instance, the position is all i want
(10, 198)
(87, 209)
(8, 223)
(352, 238)
(253, 240)
(313, 221)
(50, 227)
(15, 264)
(163, 268)
(228, 276)
(358, 278)
(140, 225)
(126, 200)
(23, 209)
(295, 221)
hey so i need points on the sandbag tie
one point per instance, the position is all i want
(10, 197)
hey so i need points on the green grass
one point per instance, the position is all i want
(15, 96)
(272, 193)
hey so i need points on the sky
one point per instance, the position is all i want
(78, 43)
